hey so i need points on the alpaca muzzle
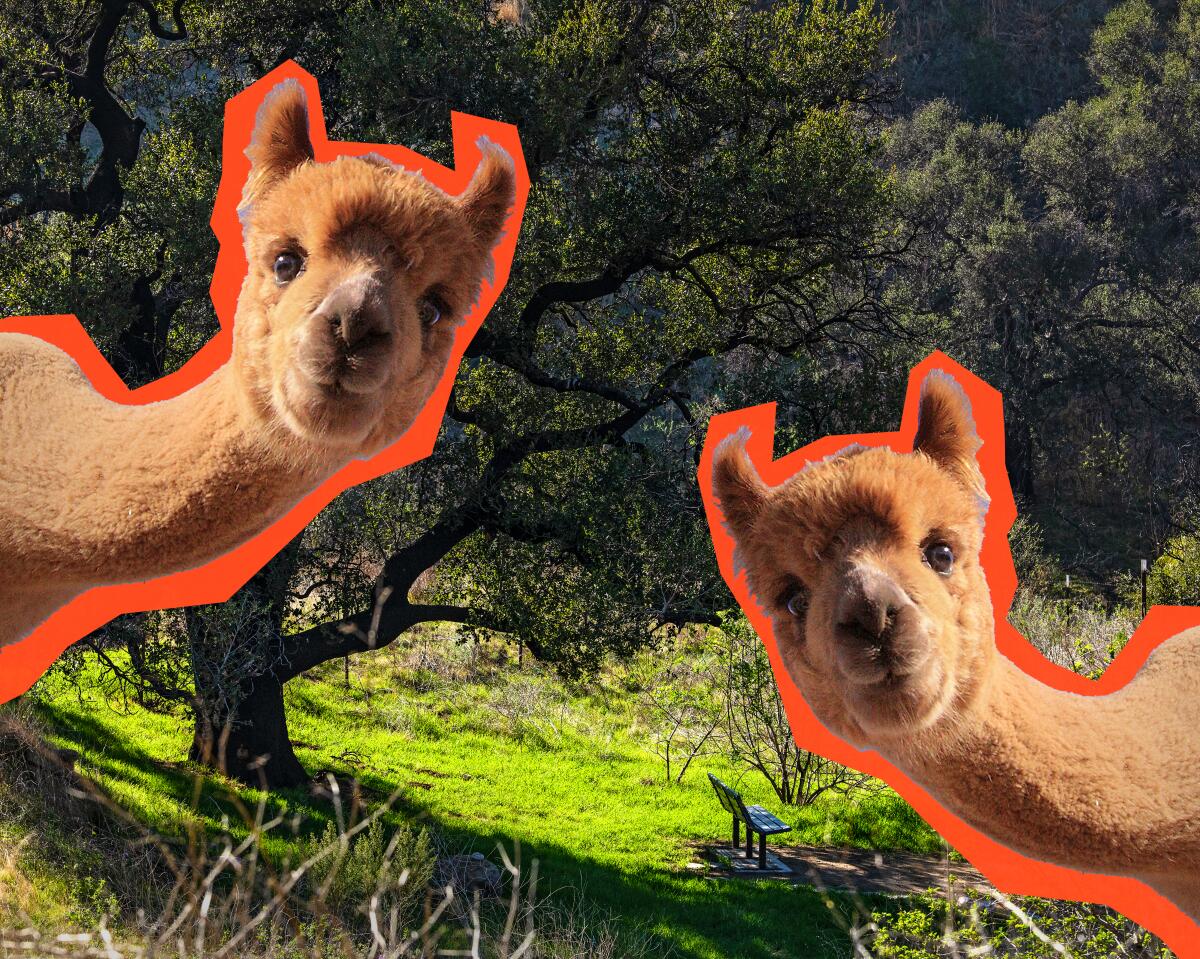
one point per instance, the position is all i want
(877, 629)
(348, 338)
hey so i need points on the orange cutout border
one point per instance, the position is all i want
(23, 662)
(1009, 871)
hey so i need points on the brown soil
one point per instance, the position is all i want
(855, 870)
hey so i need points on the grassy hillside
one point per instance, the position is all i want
(482, 754)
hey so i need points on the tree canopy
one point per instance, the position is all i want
(730, 205)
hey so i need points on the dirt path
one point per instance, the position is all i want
(848, 870)
(861, 870)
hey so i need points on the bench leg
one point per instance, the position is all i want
(762, 850)
(737, 834)
(749, 843)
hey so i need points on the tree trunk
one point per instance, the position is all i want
(138, 358)
(241, 724)
(1018, 456)
(255, 748)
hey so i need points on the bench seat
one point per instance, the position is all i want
(764, 822)
(756, 819)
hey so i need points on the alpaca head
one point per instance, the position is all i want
(868, 564)
(358, 274)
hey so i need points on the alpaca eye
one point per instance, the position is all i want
(940, 558)
(287, 267)
(793, 597)
(429, 312)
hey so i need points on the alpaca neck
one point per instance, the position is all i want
(172, 485)
(1077, 780)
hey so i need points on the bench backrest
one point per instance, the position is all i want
(730, 798)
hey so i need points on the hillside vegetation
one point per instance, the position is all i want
(732, 203)
(479, 753)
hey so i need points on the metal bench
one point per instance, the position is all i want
(754, 818)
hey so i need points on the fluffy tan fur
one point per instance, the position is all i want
(329, 364)
(895, 653)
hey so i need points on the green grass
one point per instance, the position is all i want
(505, 759)
(52, 881)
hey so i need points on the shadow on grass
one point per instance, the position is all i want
(700, 917)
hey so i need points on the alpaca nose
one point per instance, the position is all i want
(355, 312)
(359, 327)
(868, 609)
(868, 618)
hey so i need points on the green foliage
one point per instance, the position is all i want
(1080, 634)
(1045, 259)
(92, 900)
(83, 221)
(396, 866)
(972, 922)
(1037, 570)
(1127, 48)
(594, 811)
(1175, 576)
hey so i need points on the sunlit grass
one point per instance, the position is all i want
(492, 756)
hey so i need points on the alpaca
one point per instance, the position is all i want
(357, 274)
(868, 565)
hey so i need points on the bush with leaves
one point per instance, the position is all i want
(394, 870)
(682, 706)
(1037, 568)
(530, 708)
(1083, 636)
(1175, 575)
(970, 922)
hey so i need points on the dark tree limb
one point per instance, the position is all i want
(390, 613)
(142, 346)
(156, 26)
(102, 195)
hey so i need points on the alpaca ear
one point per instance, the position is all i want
(280, 141)
(490, 194)
(740, 491)
(946, 431)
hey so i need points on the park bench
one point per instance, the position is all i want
(754, 818)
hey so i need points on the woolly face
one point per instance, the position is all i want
(868, 564)
(358, 274)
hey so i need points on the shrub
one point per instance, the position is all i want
(577, 931)
(531, 709)
(1082, 637)
(1175, 575)
(396, 868)
(681, 705)
(757, 730)
(972, 922)
(1037, 569)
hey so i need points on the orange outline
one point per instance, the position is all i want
(1009, 871)
(22, 663)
